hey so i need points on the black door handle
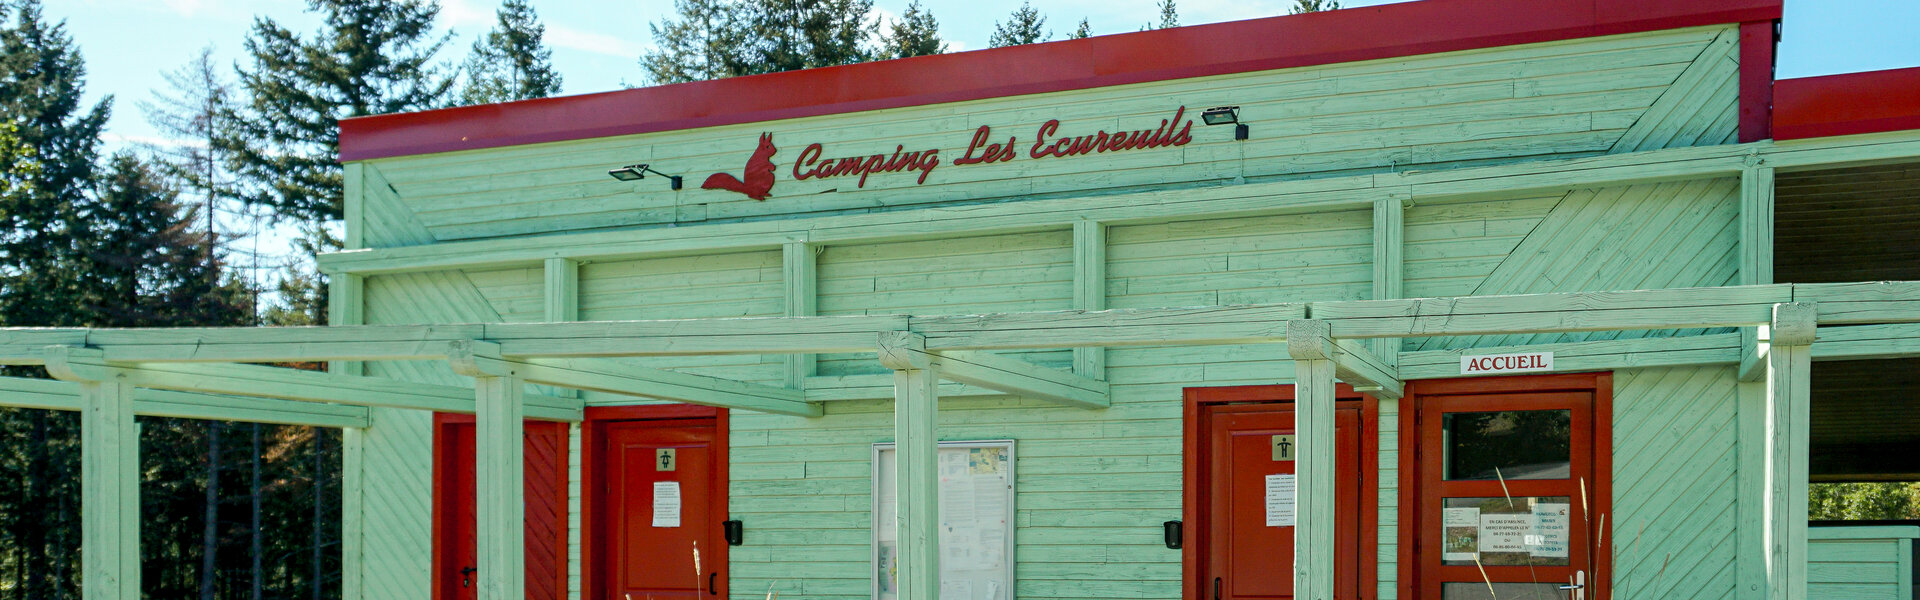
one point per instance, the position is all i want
(466, 576)
(711, 577)
(1216, 588)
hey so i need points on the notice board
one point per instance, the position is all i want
(976, 521)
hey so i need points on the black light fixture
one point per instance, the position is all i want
(639, 172)
(733, 531)
(1223, 115)
(1174, 534)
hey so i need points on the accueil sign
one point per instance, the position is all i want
(1051, 140)
(1506, 363)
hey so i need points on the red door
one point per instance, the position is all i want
(1510, 485)
(545, 474)
(659, 504)
(1240, 548)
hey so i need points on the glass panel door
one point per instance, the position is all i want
(1505, 505)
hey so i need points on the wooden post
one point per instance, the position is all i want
(1310, 344)
(346, 305)
(561, 302)
(1389, 277)
(916, 384)
(799, 268)
(1090, 291)
(1789, 364)
(1756, 254)
(110, 492)
(500, 506)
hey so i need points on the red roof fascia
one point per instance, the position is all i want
(1356, 34)
(1846, 104)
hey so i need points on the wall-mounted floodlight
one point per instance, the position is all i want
(1224, 115)
(638, 172)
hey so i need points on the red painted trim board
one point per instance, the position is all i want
(1356, 34)
(1757, 41)
(1848, 104)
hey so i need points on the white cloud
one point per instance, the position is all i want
(562, 36)
(464, 12)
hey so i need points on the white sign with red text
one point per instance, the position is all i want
(1506, 363)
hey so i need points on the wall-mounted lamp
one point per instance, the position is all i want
(638, 172)
(1174, 532)
(1223, 115)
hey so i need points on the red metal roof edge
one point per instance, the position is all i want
(1846, 104)
(1349, 35)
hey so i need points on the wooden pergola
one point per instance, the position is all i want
(111, 375)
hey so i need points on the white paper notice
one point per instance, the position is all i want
(1460, 529)
(666, 504)
(1280, 491)
(1504, 532)
(1550, 530)
(956, 589)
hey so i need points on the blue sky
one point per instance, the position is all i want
(127, 43)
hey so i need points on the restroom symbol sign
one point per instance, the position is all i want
(663, 459)
(1282, 447)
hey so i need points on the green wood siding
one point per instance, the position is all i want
(1674, 480)
(973, 275)
(1869, 563)
(1578, 97)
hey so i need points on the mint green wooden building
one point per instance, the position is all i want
(1550, 299)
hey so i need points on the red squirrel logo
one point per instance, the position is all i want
(758, 176)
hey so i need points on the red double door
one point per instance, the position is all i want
(654, 493)
(1239, 518)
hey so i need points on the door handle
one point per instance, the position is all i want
(1576, 585)
(466, 576)
(1216, 588)
(711, 577)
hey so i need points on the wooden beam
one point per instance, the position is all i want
(836, 388)
(614, 377)
(916, 410)
(346, 305)
(1117, 327)
(1598, 355)
(294, 384)
(1580, 311)
(1090, 291)
(1389, 269)
(1788, 448)
(1862, 303)
(1000, 373)
(799, 270)
(754, 335)
(1310, 345)
(50, 394)
(1868, 342)
(1356, 365)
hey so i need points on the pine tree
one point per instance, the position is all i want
(145, 265)
(303, 290)
(1024, 26)
(802, 34)
(370, 57)
(42, 82)
(916, 33)
(1083, 31)
(510, 62)
(190, 114)
(705, 41)
(1169, 17)
(1307, 6)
